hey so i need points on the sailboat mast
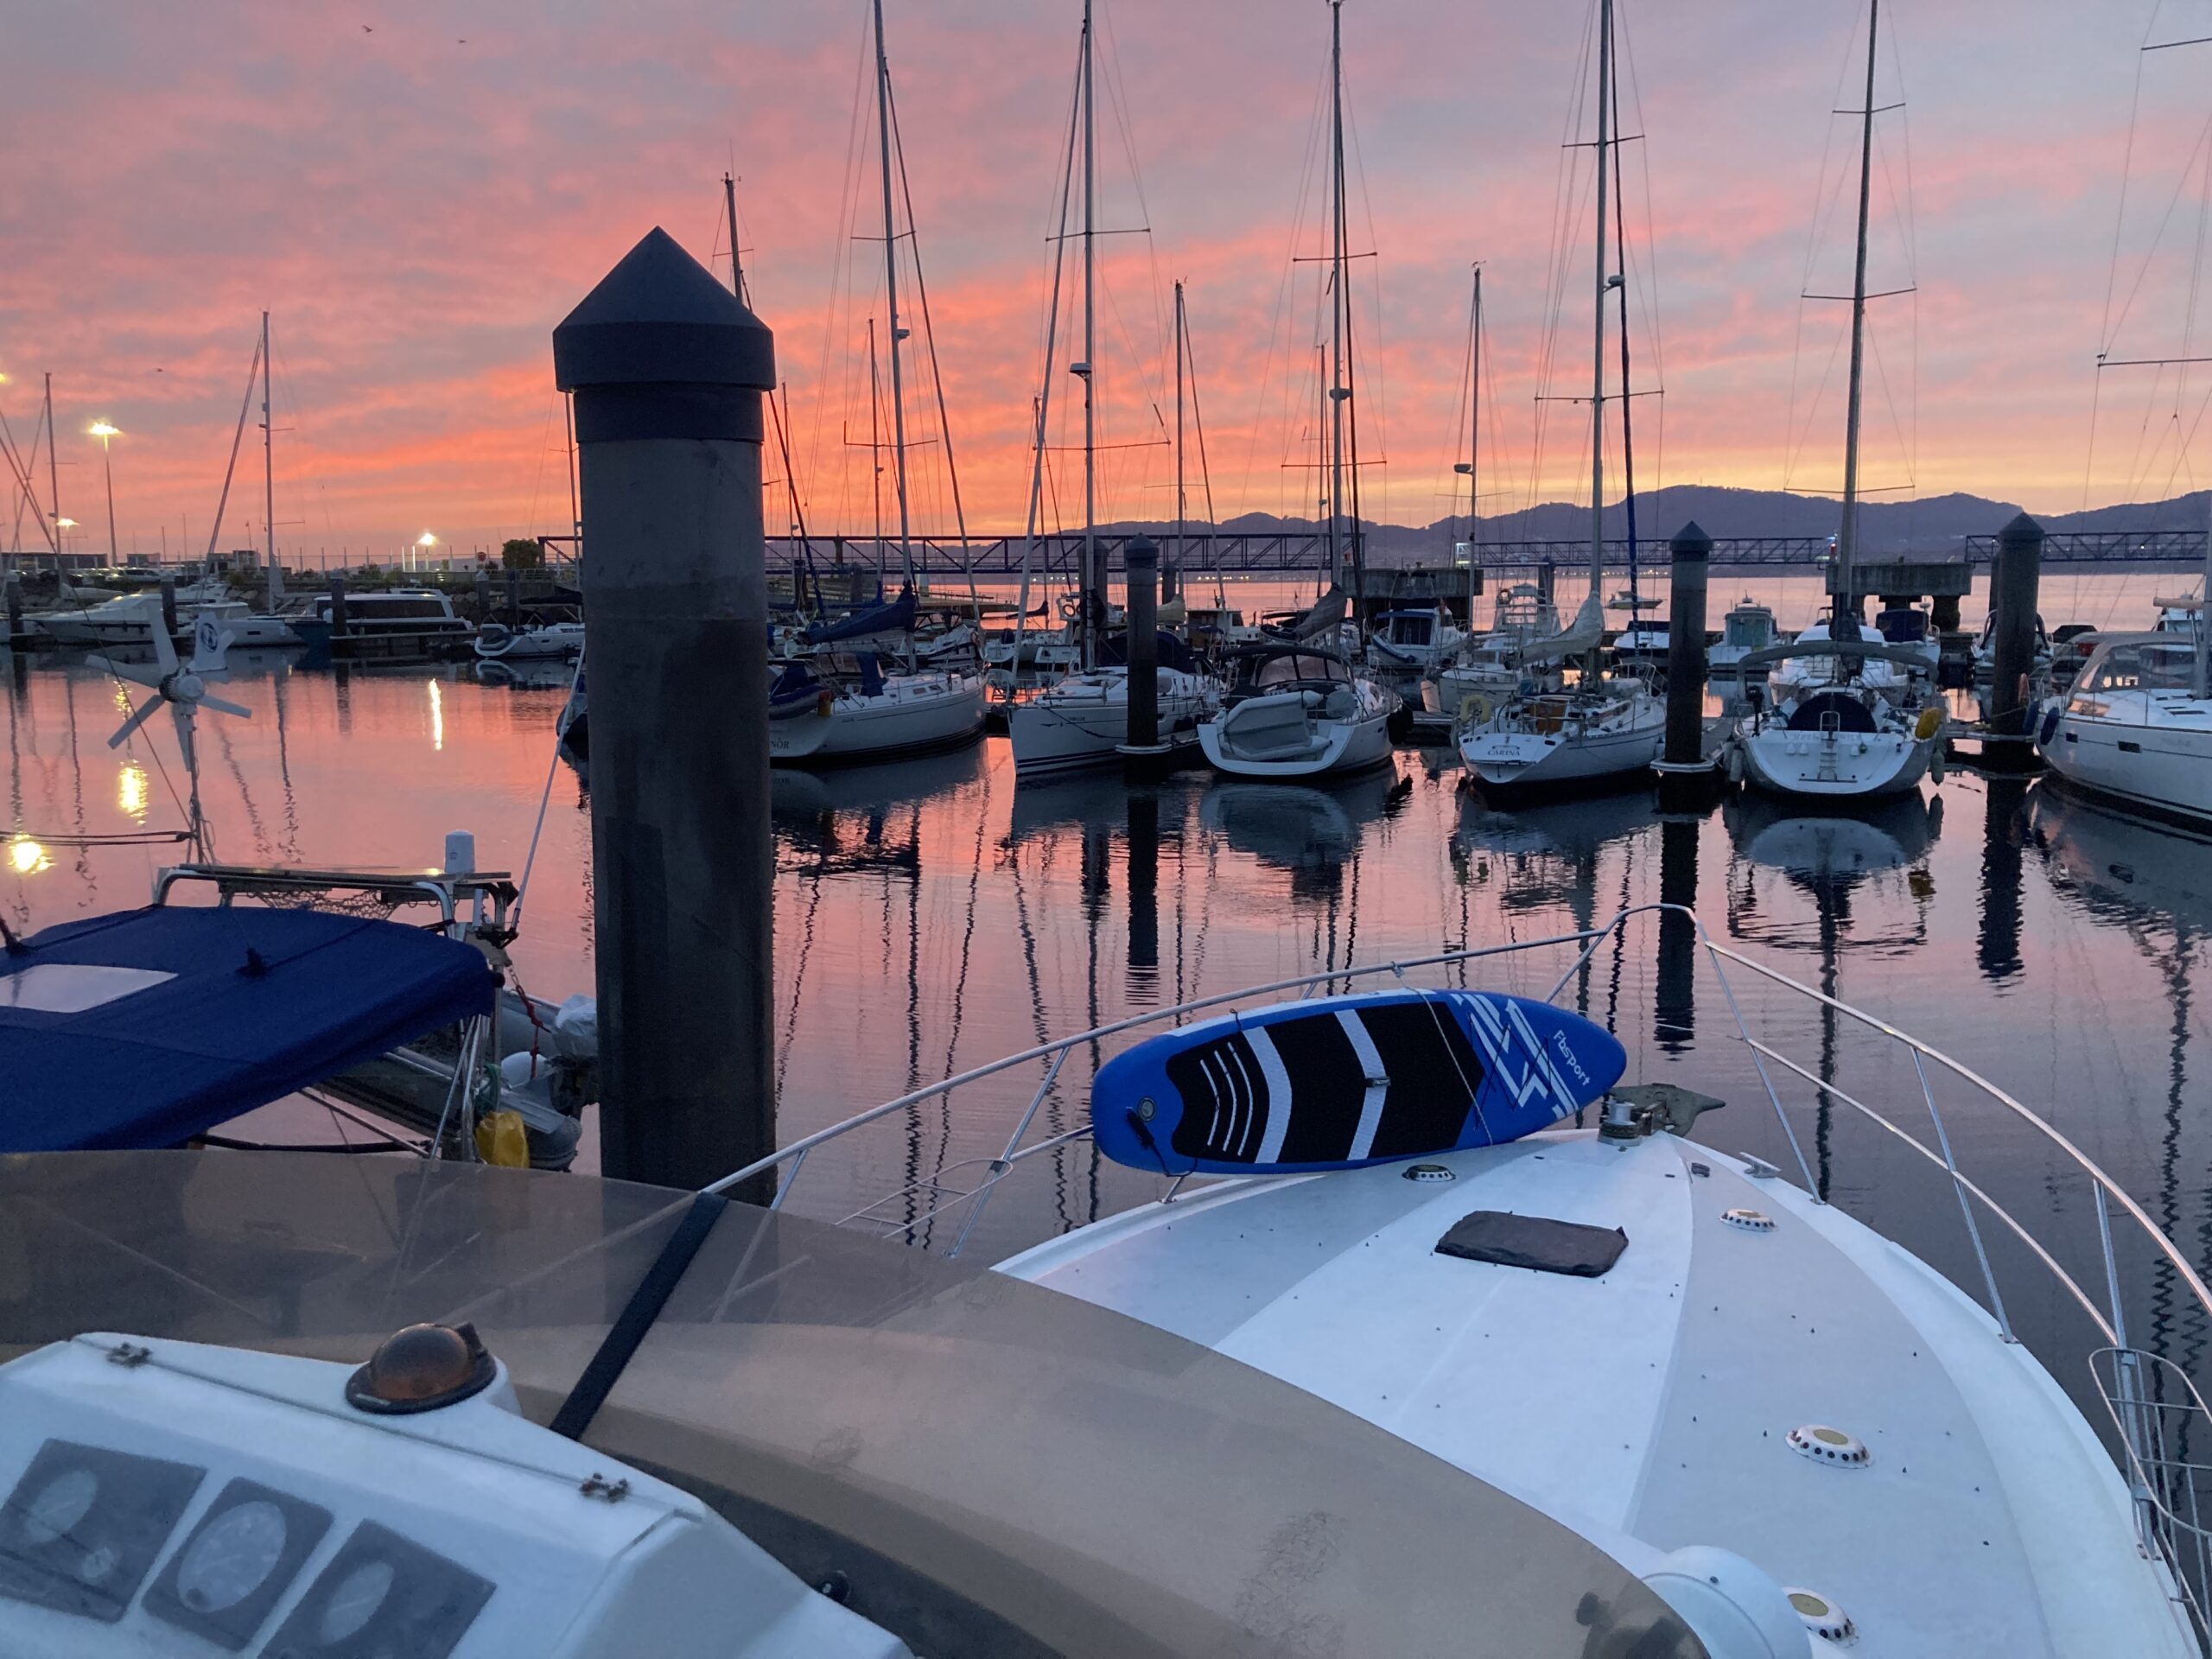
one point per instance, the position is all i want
(1337, 393)
(1475, 413)
(890, 293)
(729, 208)
(1176, 585)
(1598, 310)
(276, 584)
(1093, 598)
(52, 471)
(1847, 541)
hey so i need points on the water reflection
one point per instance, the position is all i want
(1310, 833)
(2154, 886)
(2004, 826)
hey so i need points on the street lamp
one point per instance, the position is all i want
(423, 543)
(104, 430)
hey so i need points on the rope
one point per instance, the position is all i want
(544, 796)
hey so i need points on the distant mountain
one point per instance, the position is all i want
(1933, 526)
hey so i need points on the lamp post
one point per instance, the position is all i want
(104, 430)
(423, 543)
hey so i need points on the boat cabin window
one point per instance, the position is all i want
(1751, 630)
(1902, 627)
(1293, 666)
(388, 607)
(2141, 668)
(1411, 628)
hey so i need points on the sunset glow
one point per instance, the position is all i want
(418, 209)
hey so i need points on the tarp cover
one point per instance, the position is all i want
(1537, 1242)
(261, 1002)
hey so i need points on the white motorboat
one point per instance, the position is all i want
(2137, 727)
(131, 619)
(1295, 710)
(496, 642)
(1644, 640)
(1413, 641)
(1749, 626)
(1082, 719)
(1804, 669)
(1799, 1432)
(401, 623)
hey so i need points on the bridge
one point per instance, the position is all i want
(1207, 553)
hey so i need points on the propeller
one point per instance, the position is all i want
(182, 686)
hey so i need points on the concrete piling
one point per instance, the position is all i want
(15, 608)
(2013, 588)
(1143, 653)
(1685, 773)
(668, 369)
(337, 608)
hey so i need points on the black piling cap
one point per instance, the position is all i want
(2022, 531)
(1691, 543)
(660, 317)
(1141, 550)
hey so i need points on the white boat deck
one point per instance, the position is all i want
(1969, 1530)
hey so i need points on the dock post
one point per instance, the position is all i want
(1686, 774)
(2013, 600)
(337, 609)
(1143, 753)
(483, 595)
(168, 604)
(668, 369)
(15, 609)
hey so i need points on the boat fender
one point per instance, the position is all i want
(2051, 712)
(1734, 1608)
(824, 700)
(1931, 721)
(1936, 765)
(501, 1140)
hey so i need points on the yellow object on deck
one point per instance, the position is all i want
(501, 1140)
(1931, 721)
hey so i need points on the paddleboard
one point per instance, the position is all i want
(1336, 1082)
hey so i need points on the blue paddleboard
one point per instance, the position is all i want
(1344, 1080)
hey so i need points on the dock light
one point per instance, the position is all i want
(65, 524)
(104, 430)
(426, 540)
(26, 856)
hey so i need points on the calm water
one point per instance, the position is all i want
(931, 916)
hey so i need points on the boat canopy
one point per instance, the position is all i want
(145, 1027)
(896, 616)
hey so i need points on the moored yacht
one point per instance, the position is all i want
(1748, 626)
(1413, 641)
(2137, 727)
(1295, 710)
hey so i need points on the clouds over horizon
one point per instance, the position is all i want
(418, 212)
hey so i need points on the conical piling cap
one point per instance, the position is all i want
(660, 317)
(2022, 532)
(1691, 541)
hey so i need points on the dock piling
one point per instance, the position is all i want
(1143, 653)
(337, 608)
(2013, 600)
(1686, 774)
(168, 604)
(668, 369)
(15, 609)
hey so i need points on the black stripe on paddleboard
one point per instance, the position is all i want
(1226, 1107)
(1327, 1087)
(1434, 1075)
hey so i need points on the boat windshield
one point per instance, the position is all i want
(1902, 627)
(1751, 629)
(2141, 668)
(1293, 666)
(1033, 1473)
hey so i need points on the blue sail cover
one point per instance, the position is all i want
(895, 617)
(145, 1027)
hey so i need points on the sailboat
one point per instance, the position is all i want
(1082, 718)
(1848, 729)
(881, 717)
(1599, 732)
(1296, 707)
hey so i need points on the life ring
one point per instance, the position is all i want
(1475, 709)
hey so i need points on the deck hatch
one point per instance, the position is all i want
(1572, 1248)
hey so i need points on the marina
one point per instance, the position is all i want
(869, 1008)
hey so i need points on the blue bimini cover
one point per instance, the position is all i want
(143, 1028)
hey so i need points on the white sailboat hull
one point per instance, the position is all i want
(1833, 764)
(913, 713)
(1086, 722)
(1286, 735)
(1514, 757)
(2164, 769)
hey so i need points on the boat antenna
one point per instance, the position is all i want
(890, 295)
(1604, 281)
(1846, 540)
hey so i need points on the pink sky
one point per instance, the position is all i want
(418, 212)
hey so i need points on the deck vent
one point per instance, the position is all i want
(1751, 1221)
(1825, 1445)
(1429, 1173)
(1822, 1617)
